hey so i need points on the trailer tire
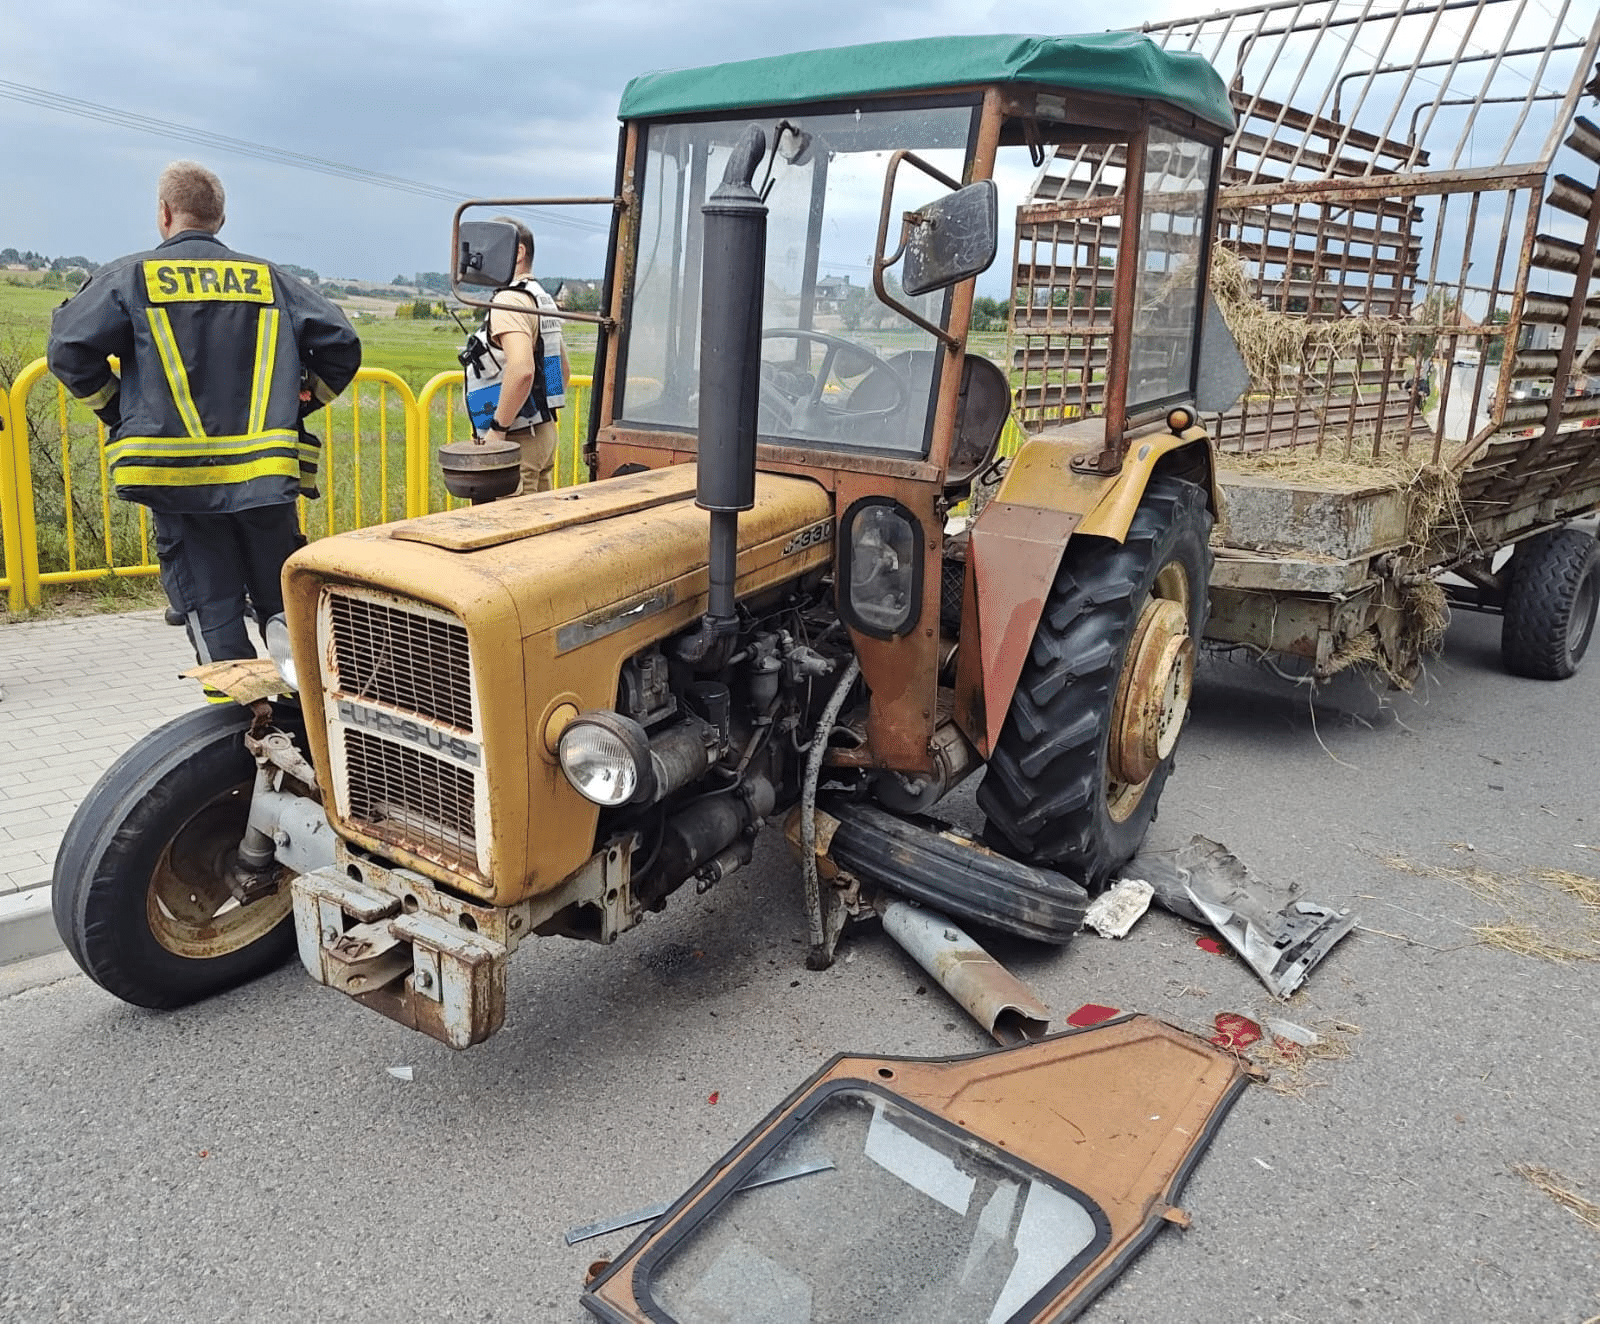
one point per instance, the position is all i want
(1551, 600)
(138, 893)
(1049, 794)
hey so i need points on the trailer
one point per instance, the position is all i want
(1406, 232)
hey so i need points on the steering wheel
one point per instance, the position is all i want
(792, 397)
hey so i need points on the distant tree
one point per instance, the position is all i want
(53, 280)
(305, 273)
(435, 281)
(10, 256)
(988, 314)
(853, 307)
(398, 280)
(584, 298)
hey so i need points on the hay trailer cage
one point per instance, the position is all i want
(1406, 233)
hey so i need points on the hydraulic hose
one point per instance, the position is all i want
(820, 956)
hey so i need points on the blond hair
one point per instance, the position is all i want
(194, 193)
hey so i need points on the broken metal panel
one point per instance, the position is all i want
(1009, 1186)
(1415, 178)
(1280, 935)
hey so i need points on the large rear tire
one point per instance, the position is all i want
(140, 893)
(1551, 601)
(1091, 735)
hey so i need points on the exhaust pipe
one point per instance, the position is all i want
(986, 990)
(733, 274)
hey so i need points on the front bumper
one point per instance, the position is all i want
(392, 941)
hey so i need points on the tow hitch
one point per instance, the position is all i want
(431, 961)
(427, 970)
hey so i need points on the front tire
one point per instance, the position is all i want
(140, 893)
(1090, 738)
(1551, 601)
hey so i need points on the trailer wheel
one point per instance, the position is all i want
(1087, 746)
(139, 892)
(1551, 599)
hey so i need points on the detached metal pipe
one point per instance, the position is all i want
(986, 990)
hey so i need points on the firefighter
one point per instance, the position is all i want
(222, 356)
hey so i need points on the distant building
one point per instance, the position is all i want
(832, 291)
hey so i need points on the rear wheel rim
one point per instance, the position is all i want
(188, 906)
(1124, 796)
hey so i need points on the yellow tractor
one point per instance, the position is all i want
(802, 586)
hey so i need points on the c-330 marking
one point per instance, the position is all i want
(817, 533)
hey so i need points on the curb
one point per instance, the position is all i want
(27, 927)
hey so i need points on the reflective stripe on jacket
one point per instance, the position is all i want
(212, 344)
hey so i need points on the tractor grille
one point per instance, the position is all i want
(401, 658)
(412, 798)
(407, 759)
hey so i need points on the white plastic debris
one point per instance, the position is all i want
(400, 1073)
(1295, 1034)
(1117, 909)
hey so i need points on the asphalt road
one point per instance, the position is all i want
(252, 1159)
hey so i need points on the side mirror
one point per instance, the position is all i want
(951, 239)
(486, 253)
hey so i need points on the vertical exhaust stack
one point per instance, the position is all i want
(733, 275)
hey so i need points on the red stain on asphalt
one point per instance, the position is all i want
(1210, 945)
(1288, 1049)
(1235, 1032)
(713, 1096)
(1091, 1013)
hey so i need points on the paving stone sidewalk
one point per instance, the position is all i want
(78, 692)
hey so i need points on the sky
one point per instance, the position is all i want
(481, 100)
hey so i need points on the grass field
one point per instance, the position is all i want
(81, 529)
(415, 351)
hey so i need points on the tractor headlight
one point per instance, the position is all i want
(606, 757)
(882, 568)
(278, 650)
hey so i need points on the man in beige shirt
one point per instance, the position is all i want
(522, 416)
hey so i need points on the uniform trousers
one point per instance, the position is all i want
(209, 563)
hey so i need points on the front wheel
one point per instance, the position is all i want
(140, 889)
(1089, 741)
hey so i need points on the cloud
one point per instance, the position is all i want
(487, 100)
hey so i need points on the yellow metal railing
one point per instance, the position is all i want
(378, 441)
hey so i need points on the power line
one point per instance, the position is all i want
(93, 110)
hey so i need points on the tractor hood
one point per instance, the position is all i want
(466, 635)
(566, 562)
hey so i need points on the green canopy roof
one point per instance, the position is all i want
(1120, 63)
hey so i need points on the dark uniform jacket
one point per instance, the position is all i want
(206, 415)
